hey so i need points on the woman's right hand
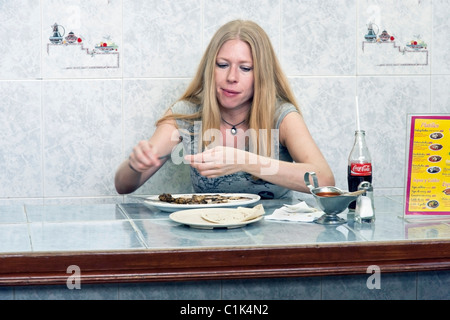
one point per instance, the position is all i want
(142, 163)
(143, 157)
(144, 160)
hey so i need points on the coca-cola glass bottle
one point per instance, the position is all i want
(359, 164)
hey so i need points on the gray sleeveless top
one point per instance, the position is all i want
(240, 182)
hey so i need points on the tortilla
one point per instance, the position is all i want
(239, 215)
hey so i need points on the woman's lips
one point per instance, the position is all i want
(230, 93)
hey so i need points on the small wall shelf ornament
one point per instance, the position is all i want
(385, 52)
(70, 53)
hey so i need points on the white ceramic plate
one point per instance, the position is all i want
(172, 207)
(193, 218)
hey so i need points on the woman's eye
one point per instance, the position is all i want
(222, 65)
(246, 69)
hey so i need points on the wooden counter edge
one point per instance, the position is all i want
(224, 263)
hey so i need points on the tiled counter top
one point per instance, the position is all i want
(132, 242)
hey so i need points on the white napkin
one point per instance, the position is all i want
(299, 212)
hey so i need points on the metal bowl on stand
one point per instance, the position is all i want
(330, 200)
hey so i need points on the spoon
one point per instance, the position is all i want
(354, 193)
(338, 193)
(166, 156)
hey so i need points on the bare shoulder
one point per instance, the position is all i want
(292, 118)
(293, 126)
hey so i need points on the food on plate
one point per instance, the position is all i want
(436, 147)
(433, 169)
(199, 198)
(436, 135)
(241, 214)
(447, 192)
(435, 158)
(432, 204)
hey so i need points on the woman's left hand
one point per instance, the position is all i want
(218, 161)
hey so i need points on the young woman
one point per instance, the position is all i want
(239, 123)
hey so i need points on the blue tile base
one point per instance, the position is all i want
(433, 285)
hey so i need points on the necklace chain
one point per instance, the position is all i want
(233, 126)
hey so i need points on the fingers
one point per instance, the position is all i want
(194, 158)
(208, 169)
(218, 155)
(143, 157)
(207, 156)
(215, 162)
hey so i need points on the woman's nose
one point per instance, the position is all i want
(232, 75)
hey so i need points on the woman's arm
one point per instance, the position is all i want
(143, 161)
(295, 136)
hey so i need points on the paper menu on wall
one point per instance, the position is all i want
(428, 175)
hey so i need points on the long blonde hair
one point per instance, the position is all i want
(270, 83)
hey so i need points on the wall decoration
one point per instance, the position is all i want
(70, 53)
(384, 51)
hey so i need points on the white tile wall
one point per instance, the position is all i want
(161, 38)
(21, 139)
(441, 25)
(318, 37)
(20, 54)
(69, 116)
(82, 136)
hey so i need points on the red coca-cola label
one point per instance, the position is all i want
(361, 169)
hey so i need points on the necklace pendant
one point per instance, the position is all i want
(233, 130)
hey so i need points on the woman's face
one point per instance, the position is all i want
(234, 75)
